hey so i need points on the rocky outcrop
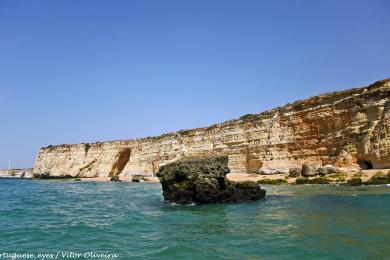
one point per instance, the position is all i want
(294, 172)
(354, 182)
(346, 129)
(308, 170)
(328, 169)
(203, 180)
(379, 178)
(115, 178)
(17, 173)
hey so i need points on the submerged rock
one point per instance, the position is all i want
(203, 180)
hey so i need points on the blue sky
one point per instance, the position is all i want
(85, 71)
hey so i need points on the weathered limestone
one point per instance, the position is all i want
(271, 170)
(346, 129)
(203, 180)
(327, 170)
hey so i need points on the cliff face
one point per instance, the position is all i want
(348, 129)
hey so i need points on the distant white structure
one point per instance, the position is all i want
(9, 164)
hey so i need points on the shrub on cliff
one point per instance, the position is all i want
(248, 117)
(184, 132)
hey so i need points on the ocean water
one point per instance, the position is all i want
(132, 221)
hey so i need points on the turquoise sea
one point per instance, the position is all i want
(132, 221)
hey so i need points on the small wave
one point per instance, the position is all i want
(173, 204)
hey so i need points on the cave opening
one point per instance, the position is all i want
(121, 159)
(221, 183)
(366, 165)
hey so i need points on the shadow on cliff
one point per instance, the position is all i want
(121, 160)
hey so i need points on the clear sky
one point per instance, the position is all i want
(85, 71)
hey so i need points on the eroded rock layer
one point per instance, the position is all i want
(347, 129)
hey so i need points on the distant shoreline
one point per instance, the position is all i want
(272, 179)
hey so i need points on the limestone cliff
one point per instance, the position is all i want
(348, 129)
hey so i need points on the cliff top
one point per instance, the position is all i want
(322, 99)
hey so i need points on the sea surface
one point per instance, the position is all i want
(132, 221)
